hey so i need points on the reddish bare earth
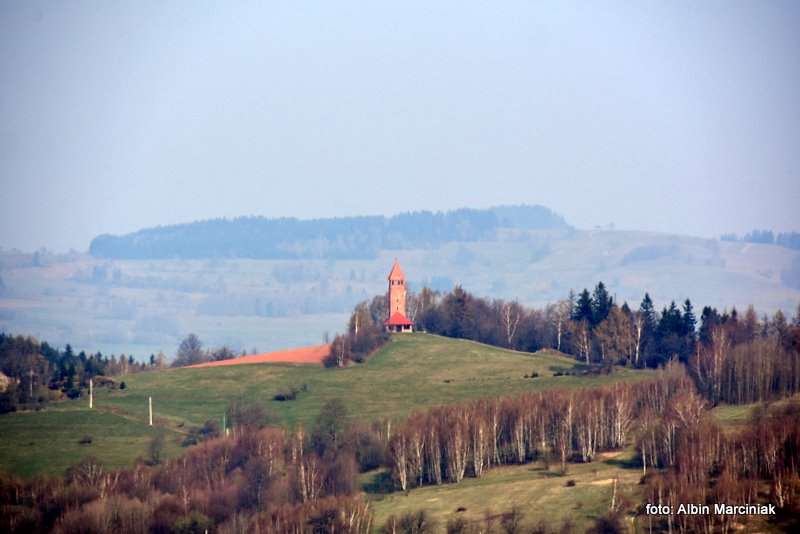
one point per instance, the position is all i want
(313, 354)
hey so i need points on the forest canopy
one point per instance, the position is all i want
(333, 238)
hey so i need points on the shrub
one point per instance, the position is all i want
(155, 451)
(85, 440)
(370, 450)
(570, 483)
(209, 430)
(511, 522)
(411, 523)
(289, 395)
(192, 523)
(607, 524)
(457, 525)
(248, 414)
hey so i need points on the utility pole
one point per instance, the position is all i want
(150, 404)
(91, 393)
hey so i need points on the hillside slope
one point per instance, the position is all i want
(412, 371)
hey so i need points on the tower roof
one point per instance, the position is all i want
(398, 319)
(396, 272)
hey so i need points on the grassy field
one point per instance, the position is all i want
(736, 417)
(47, 442)
(410, 372)
(542, 494)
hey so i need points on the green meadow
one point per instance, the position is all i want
(411, 372)
(542, 494)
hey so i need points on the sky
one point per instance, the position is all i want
(679, 117)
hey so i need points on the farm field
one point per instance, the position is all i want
(410, 372)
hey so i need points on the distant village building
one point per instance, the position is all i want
(397, 321)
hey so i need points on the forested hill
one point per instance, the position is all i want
(334, 238)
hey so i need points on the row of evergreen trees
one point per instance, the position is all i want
(767, 237)
(38, 372)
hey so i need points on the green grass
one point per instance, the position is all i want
(733, 417)
(540, 493)
(410, 372)
(47, 441)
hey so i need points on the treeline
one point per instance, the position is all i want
(448, 443)
(767, 237)
(698, 463)
(365, 334)
(733, 358)
(590, 326)
(684, 455)
(334, 238)
(260, 479)
(37, 373)
(191, 352)
(743, 361)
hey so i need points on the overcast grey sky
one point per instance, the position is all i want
(669, 116)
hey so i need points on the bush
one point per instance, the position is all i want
(248, 414)
(411, 523)
(155, 451)
(511, 522)
(85, 440)
(209, 430)
(607, 524)
(370, 451)
(193, 523)
(457, 525)
(570, 483)
(289, 395)
(534, 375)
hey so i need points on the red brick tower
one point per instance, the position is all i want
(397, 321)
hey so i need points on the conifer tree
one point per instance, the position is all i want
(648, 315)
(584, 308)
(601, 304)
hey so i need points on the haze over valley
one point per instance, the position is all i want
(257, 283)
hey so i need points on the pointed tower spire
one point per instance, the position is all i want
(397, 321)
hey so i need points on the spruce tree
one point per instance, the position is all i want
(584, 307)
(601, 304)
(648, 313)
(689, 319)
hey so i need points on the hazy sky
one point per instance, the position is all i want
(669, 116)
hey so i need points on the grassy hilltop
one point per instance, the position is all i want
(410, 372)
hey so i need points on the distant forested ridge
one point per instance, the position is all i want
(767, 237)
(334, 238)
